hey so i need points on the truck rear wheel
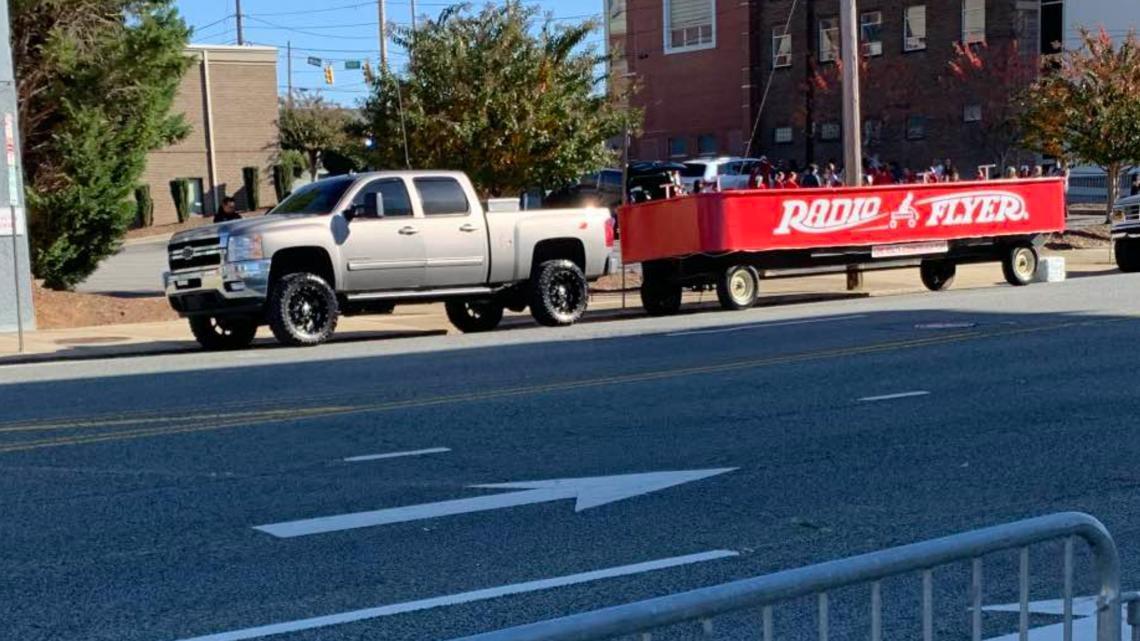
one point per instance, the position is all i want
(738, 288)
(470, 316)
(1019, 265)
(559, 293)
(937, 275)
(219, 333)
(1128, 255)
(303, 310)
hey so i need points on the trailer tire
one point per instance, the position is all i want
(1019, 265)
(472, 316)
(738, 288)
(559, 293)
(660, 293)
(223, 333)
(303, 310)
(938, 275)
(1128, 255)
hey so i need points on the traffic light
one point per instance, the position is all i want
(328, 75)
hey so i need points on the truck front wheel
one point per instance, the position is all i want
(937, 275)
(303, 310)
(1019, 265)
(470, 316)
(559, 293)
(1128, 255)
(220, 333)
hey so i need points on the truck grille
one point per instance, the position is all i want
(1132, 213)
(193, 254)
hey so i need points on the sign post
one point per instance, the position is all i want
(16, 290)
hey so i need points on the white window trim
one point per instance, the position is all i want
(906, 44)
(777, 37)
(820, 35)
(865, 45)
(966, 115)
(667, 38)
(985, 24)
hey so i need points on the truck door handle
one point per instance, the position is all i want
(469, 228)
(409, 231)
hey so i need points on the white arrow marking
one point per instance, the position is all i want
(588, 492)
(1084, 623)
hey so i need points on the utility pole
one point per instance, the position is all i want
(289, 68)
(240, 30)
(413, 3)
(852, 119)
(383, 36)
(16, 291)
(812, 41)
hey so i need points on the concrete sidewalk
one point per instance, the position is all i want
(139, 339)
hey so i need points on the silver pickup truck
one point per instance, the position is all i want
(364, 243)
(1126, 233)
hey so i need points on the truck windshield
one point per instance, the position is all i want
(315, 198)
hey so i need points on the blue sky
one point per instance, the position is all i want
(333, 30)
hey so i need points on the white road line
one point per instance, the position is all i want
(891, 397)
(377, 457)
(741, 328)
(463, 597)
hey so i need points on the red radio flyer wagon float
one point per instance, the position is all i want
(727, 239)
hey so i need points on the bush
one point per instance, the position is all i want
(281, 182)
(144, 207)
(180, 191)
(251, 181)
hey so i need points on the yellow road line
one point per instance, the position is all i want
(239, 420)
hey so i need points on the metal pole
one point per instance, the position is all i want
(852, 130)
(240, 30)
(413, 2)
(383, 35)
(289, 65)
(624, 200)
(16, 279)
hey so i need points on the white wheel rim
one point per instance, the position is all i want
(741, 287)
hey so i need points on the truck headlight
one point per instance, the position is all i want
(1117, 215)
(241, 248)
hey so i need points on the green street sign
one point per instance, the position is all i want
(352, 64)
(316, 62)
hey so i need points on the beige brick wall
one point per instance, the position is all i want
(243, 92)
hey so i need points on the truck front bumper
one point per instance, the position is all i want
(1125, 231)
(232, 288)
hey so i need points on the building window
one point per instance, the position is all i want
(972, 113)
(973, 21)
(871, 33)
(914, 28)
(678, 147)
(829, 132)
(782, 135)
(689, 25)
(197, 196)
(828, 39)
(1052, 26)
(872, 132)
(707, 145)
(916, 127)
(781, 47)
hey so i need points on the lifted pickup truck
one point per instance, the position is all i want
(1126, 233)
(365, 243)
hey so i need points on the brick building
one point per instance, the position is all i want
(703, 67)
(229, 99)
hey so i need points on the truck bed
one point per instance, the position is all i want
(787, 219)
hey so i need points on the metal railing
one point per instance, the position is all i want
(762, 593)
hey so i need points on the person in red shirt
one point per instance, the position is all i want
(792, 182)
(779, 181)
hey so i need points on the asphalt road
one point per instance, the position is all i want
(131, 489)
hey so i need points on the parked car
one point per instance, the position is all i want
(647, 180)
(597, 189)
(733, 172)
(364, 243)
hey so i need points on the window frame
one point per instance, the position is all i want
(907, 36)
(777, 44)
(833, 46)
(967, 10)
(909, 128)
(440, 179)
(684, 146)
(667, 31)
(864, 43)
(360, 194)
(777, 138)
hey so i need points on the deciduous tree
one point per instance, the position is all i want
(312, 127)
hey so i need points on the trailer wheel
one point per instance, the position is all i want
(1019, 265)
(471, 316)
(1128, 255)
(938, 275)
(738, 287)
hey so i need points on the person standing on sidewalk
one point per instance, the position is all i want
(228, 211)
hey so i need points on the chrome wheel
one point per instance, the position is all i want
(308, 310)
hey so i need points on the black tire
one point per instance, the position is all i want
(1019, 265)
(559, 293)
(660, 294)
(1128, 255)
(471, 316)
(738, 288)
(303, 310)
(220, 333)
(938, 275)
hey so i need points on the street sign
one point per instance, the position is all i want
(350, 65)
(316, 62)
(588, 493)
